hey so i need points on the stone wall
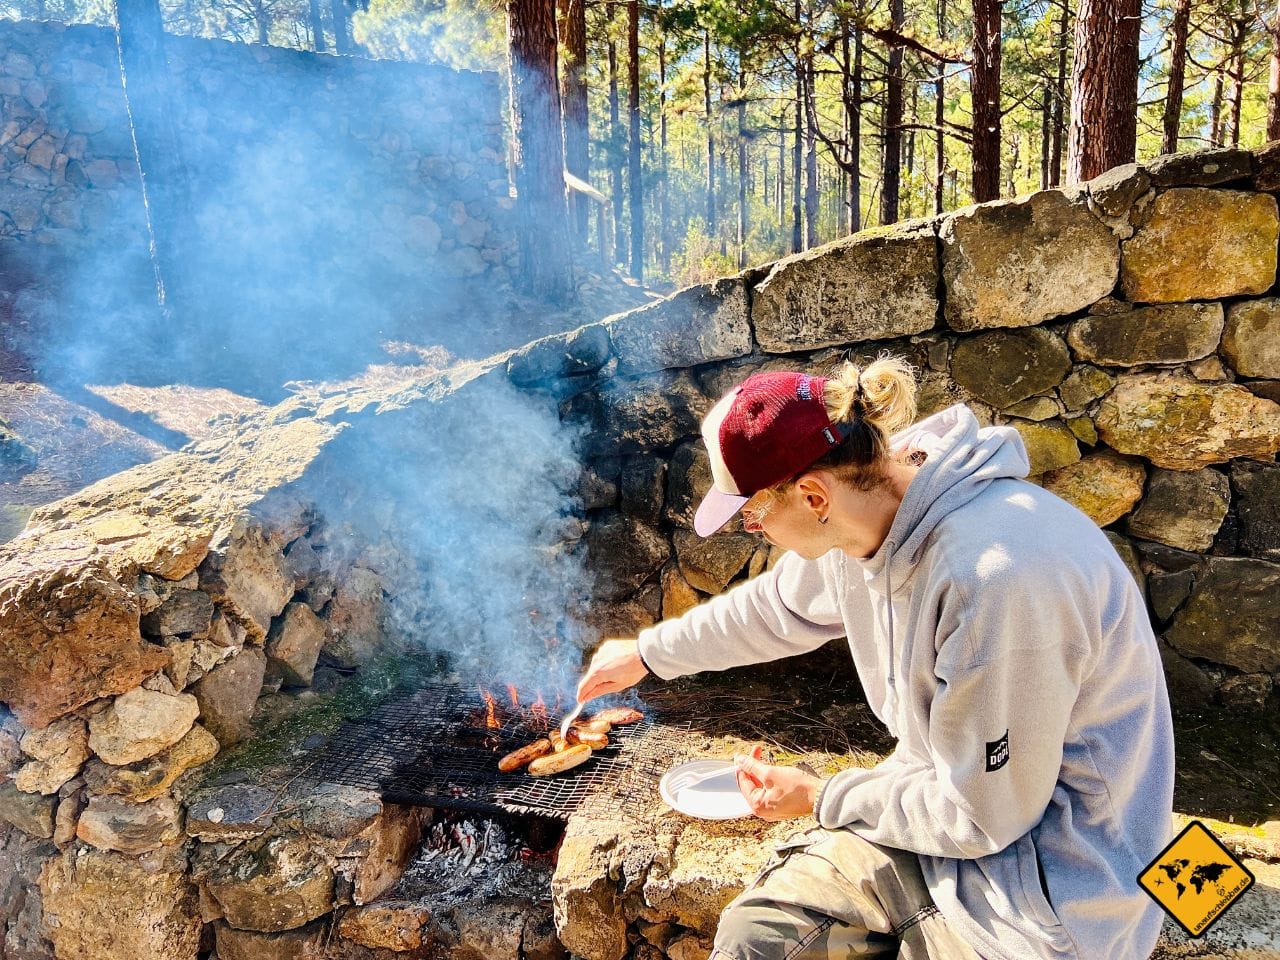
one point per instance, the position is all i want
(1128, 330)
(331, 187)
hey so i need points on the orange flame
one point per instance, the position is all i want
(491, 709)
(539, 711)
(514, 695)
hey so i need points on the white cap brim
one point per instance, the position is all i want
(717, 509)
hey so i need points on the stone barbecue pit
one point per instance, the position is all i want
(244, 685)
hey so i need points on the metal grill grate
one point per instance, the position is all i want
(435, 749)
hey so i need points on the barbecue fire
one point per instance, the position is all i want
(514, 694)
(491, 710)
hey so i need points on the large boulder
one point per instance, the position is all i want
(110, 823)
(1017, 263)
(140, 724)
(151, 778)
(272, 884)
(622, 554)
(306, 943)
(696, 325)
(68, 635)
(1084, 385)
(1005, 366)
(57, 752)
(228, 693)
(1205, 168)
(1103, 485)
(1050, 445)
(1184, 424)
(1201, 244)
(293, 646)
(575, 353)
(709, 563)
(870, 286)
(107, 906)
(1257, 487)
(1174, 333)
(688, 480)
(1183, 510)
(249, 577)
(639, 414)
(32, 813)
(1232, 616)
(1251, 339)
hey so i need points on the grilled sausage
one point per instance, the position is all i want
(618, 715)
(596, 741)
(555, 763)
(594, 726)
(519, 758)
(557, 742)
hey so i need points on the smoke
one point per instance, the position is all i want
(335, 205)
(476, 495)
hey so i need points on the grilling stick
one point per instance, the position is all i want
(569, 718)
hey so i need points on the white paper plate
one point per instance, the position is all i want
(706, 789)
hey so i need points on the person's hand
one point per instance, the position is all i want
(615, 667)
(775, 793)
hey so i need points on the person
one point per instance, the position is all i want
(997, 635)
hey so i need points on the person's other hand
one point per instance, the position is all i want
(615, 667)
(775, 793)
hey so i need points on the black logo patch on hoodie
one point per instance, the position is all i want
(997, 752)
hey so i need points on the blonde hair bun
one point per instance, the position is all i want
(883, 394)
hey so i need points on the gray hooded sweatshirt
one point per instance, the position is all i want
(1001, 639)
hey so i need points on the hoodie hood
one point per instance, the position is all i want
(963, 458)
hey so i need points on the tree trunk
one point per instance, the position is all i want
(1273, 86)
(341, 27)
(615, 142)
(635, 185)
(939, 116)
(780, 187)
(986, 99)
(812, 194)
(892, 175)
(855, 146)
(1215, 111)
(1177, 75)
(910, 156)
(1239, 36)
(1060, 98)
(741, 100)
(664, 211)
(797, 153)
(797, 211)
(538, 149)
(166, 190)
(262, 21)
(713, 228)
(1046, 121)
(573, 95)
(318, 43)
(1104, 95)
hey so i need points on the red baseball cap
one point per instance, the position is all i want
(764, 431)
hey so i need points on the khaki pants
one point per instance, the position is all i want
(830, 895)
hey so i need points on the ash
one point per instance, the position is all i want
(466, 859)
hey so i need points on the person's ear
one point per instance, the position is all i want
(814, 493)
